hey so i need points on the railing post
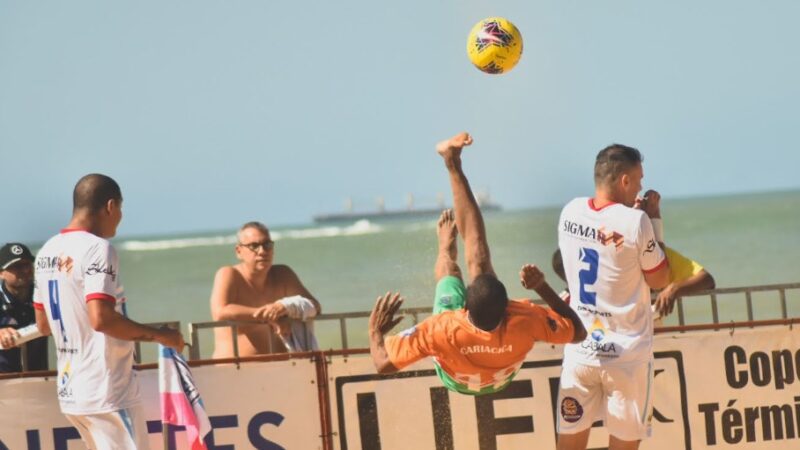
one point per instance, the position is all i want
(784, 313)
(23, 353)
(194, 350)
(343, 332)
(235, 340)
(749, 298)
(714, 310)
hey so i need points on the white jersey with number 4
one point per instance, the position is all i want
(606, 252)
(95, 371)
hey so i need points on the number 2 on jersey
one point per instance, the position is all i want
(588, 275)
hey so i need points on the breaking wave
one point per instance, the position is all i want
(358, 228)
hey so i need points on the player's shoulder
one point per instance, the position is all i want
(96, 245)
(436, 325)
(226, 273)
(621, 216)
(578, 203)
(78, 243)
(447, 319)
(522, 307)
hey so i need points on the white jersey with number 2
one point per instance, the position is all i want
(606, 252)
(95, 371)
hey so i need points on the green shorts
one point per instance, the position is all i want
(451, 295)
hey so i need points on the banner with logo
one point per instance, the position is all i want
(265, 405)
(713, 389)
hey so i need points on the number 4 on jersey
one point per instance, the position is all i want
(55, 306)
(587, 276)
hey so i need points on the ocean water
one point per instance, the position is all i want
(742, 240)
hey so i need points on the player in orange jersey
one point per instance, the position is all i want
(478, 338)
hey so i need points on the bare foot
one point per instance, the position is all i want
(447, 232)
(450, 149)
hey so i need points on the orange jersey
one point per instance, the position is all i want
(475, 357)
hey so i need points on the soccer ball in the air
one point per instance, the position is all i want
(494, 45)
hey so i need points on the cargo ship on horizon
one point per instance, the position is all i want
(410, 212)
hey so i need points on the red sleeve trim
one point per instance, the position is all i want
(657, 267)
(38, 306)
(101, 296)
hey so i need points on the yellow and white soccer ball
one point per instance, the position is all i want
(494, 45)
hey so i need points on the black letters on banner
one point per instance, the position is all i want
(490, 427)
(442, 419)
(368, 421)
(734, 351)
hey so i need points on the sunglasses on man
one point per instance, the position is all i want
(254, 246)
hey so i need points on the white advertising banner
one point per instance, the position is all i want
(263, 405)
(711, 390)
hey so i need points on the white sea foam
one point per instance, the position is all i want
(359, 228)
(169, 244)
(356, 229)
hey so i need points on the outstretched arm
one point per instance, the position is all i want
(105, 319)
(533, 278)
(381, 321)
(665, 302)
(467, 213)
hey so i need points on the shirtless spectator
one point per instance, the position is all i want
(256, 291)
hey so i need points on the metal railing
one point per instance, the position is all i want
(748, 292)
(414, 313)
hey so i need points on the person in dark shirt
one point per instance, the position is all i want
(16, 310)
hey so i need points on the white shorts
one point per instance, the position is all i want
(618, 395)
(125, 429)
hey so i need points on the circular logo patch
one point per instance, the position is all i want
(16, 249)
(571, 410)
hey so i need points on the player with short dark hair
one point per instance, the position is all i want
(79, 299)
(478, 338)
(611, 260)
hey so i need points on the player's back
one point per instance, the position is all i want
(94, 369)
(605, 252)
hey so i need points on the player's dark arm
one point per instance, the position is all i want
(105, 319)
(467, 212)
(381, 321)
(665, 301)
(533, 278)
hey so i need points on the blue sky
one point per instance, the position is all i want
(213, 113)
